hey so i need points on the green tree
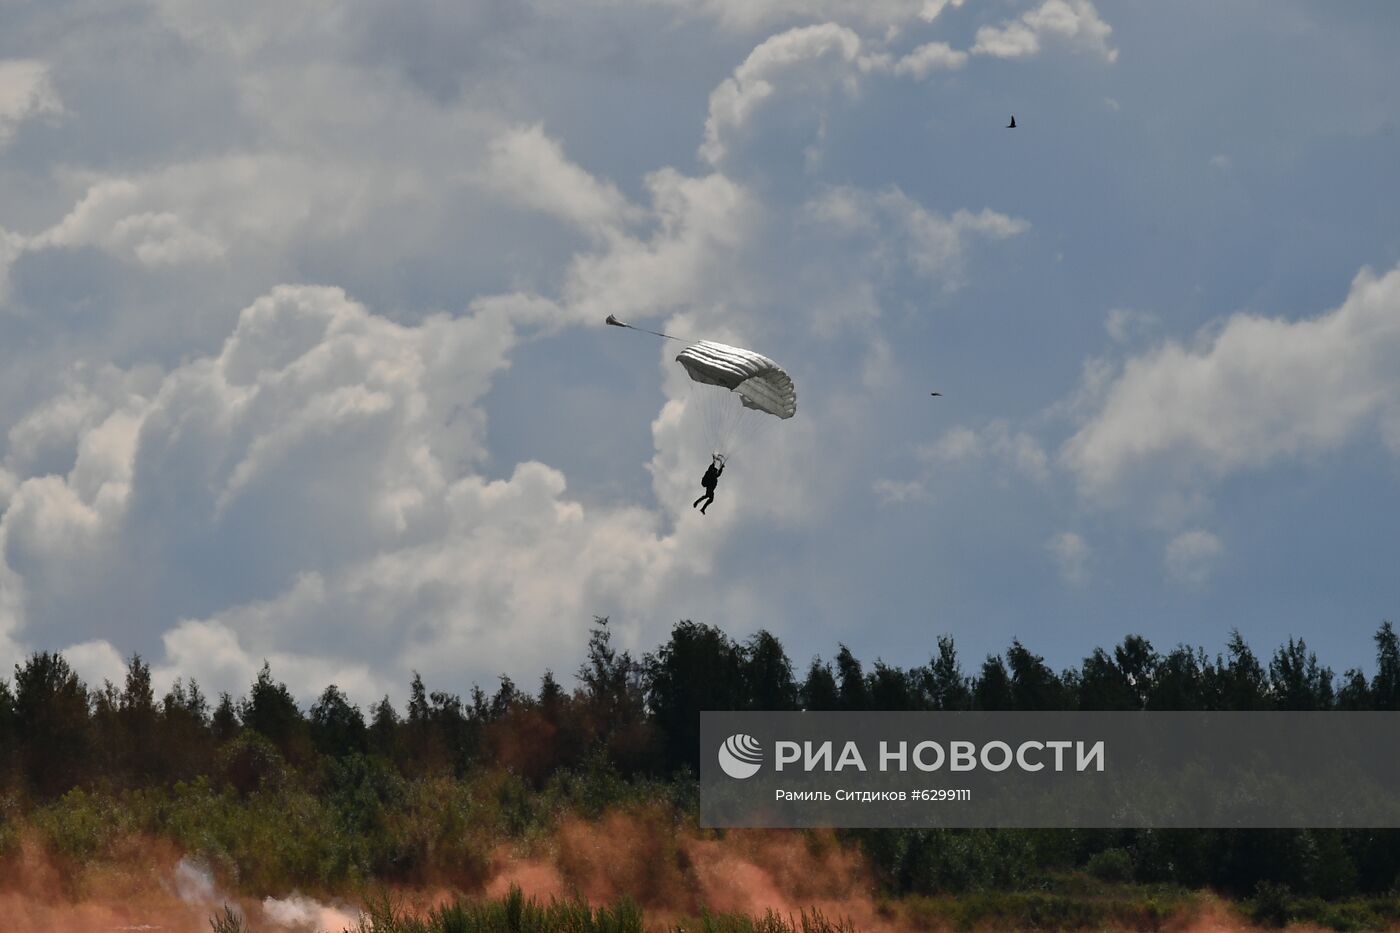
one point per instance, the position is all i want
(767, 674)
(1241, 684)
(850, 681)
(945, 685)
(891, 689)
(337, 726)
(1033, 685)
(138, 720)
(51, 724)
(1102, 685)
(819, 690)
(271, 711)
(1385, 686)
(224, 723)
(1297, 681)
(1138, 661)
(699, 668)
(1181, 681)
(992, 688)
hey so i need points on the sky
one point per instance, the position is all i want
(302, 355)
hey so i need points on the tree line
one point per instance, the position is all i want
(57, 733)
(635, 720)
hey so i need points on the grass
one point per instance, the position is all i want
(515, 913)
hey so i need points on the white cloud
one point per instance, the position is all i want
(702, 226)
(894, 492)
(1124, 325)
(994, 451)
(994, 445)
(309, 496)
(96, 662)
(1192, 555)
(1249, 393)
(807, 57)
(932, 244)
(929, 57)
(1076, 22)
(25, 93)
(749, 15)
(530, 167)
(198, 211)
(1071, 555)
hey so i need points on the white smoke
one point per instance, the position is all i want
(298, 912)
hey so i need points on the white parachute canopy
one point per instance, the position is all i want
(757, 388)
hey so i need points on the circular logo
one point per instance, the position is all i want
(741, 756)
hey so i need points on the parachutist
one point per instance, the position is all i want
(710, 480)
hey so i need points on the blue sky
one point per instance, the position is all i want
(301, 355)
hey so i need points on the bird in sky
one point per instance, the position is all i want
(1012, 124)
(935, 393)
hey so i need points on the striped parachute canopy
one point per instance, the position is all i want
(757, 388)
(759, 382)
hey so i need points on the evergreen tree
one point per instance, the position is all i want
(1297, 681)
(225, 724)
(946, 685)
(767, 675)
(890, 689)
(819, 690)
(271, 711)
(992, 689)
(1102, 685)
(1138, 661)
(1385, 686)
(1033, 685)
(383, 737)
(337, 726)
(1181, 681)
(699, 668)
(51, 724)
(1241, 684)
(850, 681)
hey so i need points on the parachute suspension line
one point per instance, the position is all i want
(729, 426)
(655, 333)
(736, 391)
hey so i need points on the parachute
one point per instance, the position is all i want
(737, 391)
(757, 388)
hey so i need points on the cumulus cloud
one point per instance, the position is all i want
(1124, 325)
(1251, 392)
(1071, 555)
(747, 15)
(804, 57)
(26, 92)
(531, 168)
(1076, 22)
(701, 227)
(895, 492)
(311, 496)
(1192, 555)
(995, 445)
(933, 245)
(197, 211)
(930, 57)
(994, 450)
